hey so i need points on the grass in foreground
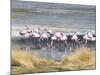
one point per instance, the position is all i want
(25, 62)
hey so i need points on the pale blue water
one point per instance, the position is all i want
(79, 17)
(69, 17)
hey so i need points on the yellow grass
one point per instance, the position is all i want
(83, 58)
(25, 62)
(22, 58)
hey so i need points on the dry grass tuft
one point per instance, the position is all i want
(82, 58)
(26, 62)
(45, 62)
(22, 58)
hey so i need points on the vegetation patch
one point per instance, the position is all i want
(26, 62)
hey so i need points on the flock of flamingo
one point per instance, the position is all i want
(46, 37)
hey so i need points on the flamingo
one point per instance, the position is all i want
(74, 40)
(87, 37)
(37, 30)
(93, 38)
(64, 38)
(53, 40)
(29, 30)
(23, 35)
(25, 31)
(89, 34)
(58, 35)
(44, 38)
(74, 37)
(36, 38)
(63, 41)
(50, 31)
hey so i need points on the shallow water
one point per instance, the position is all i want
(55, 52)
(58, 17)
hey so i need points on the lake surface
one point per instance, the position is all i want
(60, 17)
(71, 17)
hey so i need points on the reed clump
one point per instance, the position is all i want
(82, 58)
(26, 62)
(22, 58)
